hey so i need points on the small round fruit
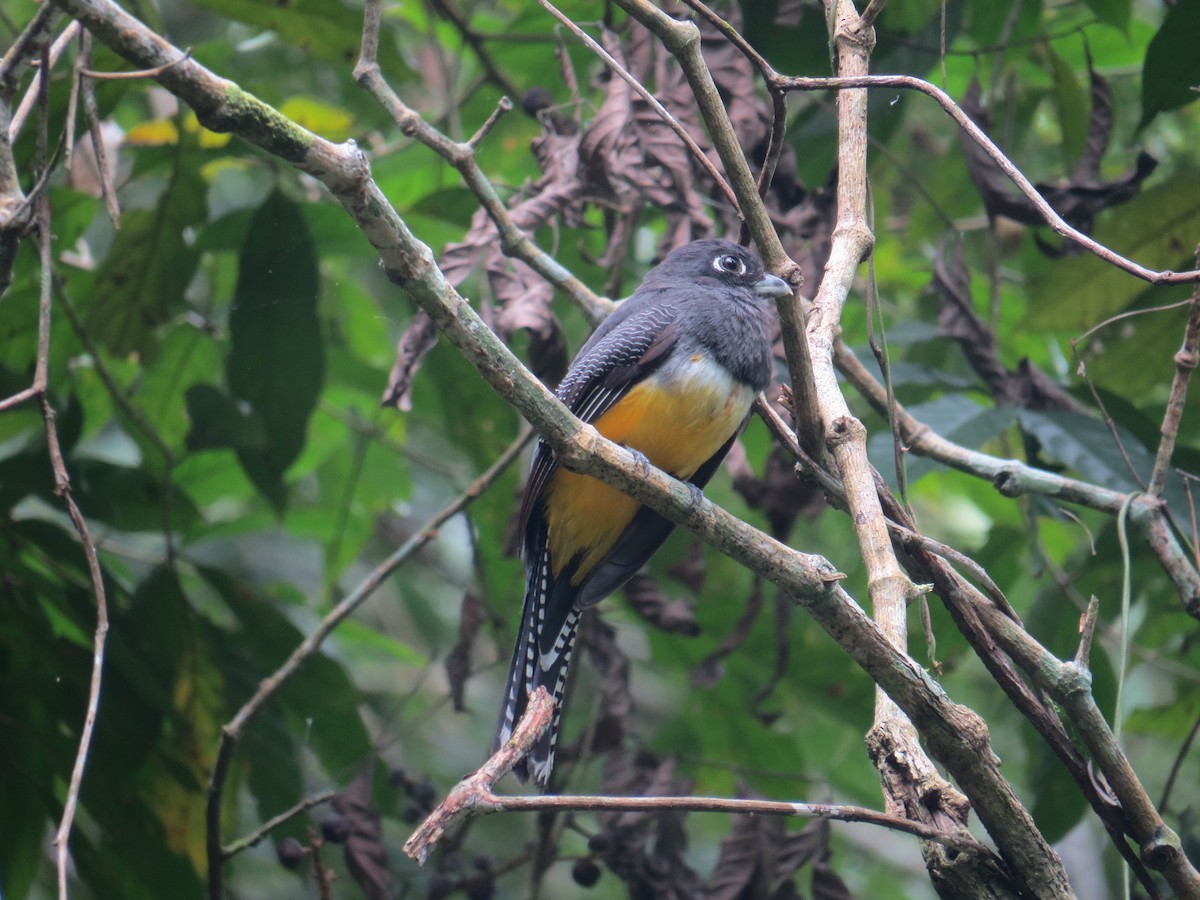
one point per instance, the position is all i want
(585, 872)
(290, 852)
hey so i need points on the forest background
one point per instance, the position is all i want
(307, 598)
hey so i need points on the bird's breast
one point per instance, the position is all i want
(679, 418)
(681, 415)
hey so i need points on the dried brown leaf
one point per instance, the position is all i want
(612, 665)
(747, 860)
(692, 569)
(1028, 386)
(783, 648)
(651, 869)
(737, 81)
(366, 853)
(472, 615)
(1077, 200)
(779, 494)
(957, 319)
(1100, 124)
(650, 601)
(760, 859)
(414, 345)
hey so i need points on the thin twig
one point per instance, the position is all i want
(62, 488)
(868, 16)
(1023, 184)
(62, 836)
(1177, 764)
(1109, 422)
(259, 834)
(1186, 361)
(475, 41)
(232, 731)
(1188, 480)
(43, 76)
(134, 414)
(91, 110)
(1087, 629)
(140, 73)
(115, 393)
(503, 106)
(1126, 600)
(1129, 314)
(81, 55)
(27, 45)
(18, 398)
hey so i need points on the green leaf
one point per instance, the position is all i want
(993, 23)
(187, 356)
(1172, 67)
(1112, 12)
(1157, 229)
(331, 122)
(142, 280)
(276, 363)
(218, 422)
(1084, 444)
(953, 416)
(329, 31)
(359, 640)
(1071, 105)
(127, 498)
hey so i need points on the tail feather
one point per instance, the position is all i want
(541, 658)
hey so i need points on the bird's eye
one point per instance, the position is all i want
(729, 264)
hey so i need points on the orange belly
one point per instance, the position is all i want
(678, 424)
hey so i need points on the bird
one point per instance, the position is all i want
(671, 375)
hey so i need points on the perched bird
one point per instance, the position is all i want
(670, 374)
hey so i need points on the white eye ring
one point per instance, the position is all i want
(728, 264)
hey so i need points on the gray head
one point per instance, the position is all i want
(717, 263)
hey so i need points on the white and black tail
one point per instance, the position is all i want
(542, 656)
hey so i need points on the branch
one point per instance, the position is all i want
(473, 40)
(1186, 361)
(1070, 684)
(473, 796)
(258, 835)
(43, 77)
(62, 488)
(473, 793)
(1012, 478)
(977, 134)
(27, 46)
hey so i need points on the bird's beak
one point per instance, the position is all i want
(772, 286)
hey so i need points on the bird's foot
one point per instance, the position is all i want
(642, 462)
(697, 496)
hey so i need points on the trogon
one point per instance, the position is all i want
(670, 374)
